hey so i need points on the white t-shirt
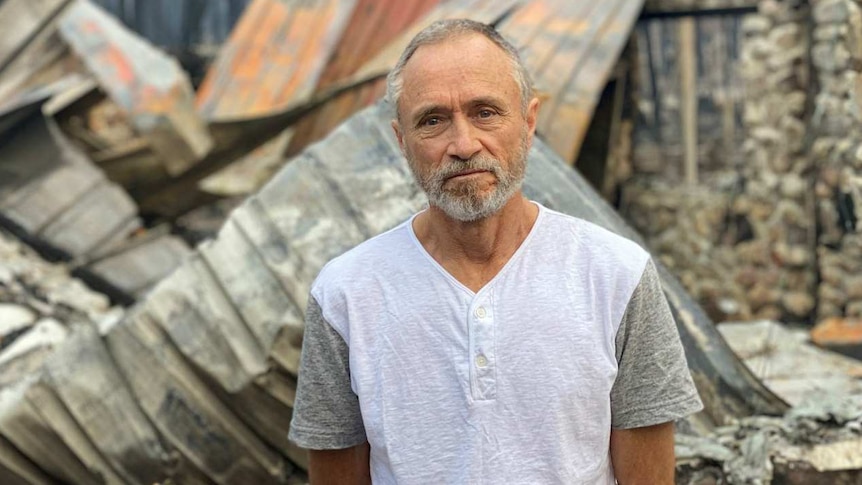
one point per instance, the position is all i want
(517, 383)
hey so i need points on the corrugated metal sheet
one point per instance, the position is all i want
(274, 58)
(367, 86)
(487, 11)
(570, 48)
(149, 86)
(373, 25)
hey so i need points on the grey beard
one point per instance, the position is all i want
(467, 204)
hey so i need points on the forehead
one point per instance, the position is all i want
(466, 66)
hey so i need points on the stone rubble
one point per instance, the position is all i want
(816, 442)
(34, 291)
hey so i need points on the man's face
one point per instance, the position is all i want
(461, 126)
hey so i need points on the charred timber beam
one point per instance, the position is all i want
(652, 12)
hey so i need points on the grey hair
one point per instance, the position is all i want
(442, 30)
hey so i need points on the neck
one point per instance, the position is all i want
(475, 251)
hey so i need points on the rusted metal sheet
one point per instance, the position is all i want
(149, 86)
(842, 335)
(486, 11)
(570, 48)
(373, 25)
(273, 58)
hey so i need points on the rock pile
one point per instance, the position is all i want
(815, 443)
(837, 149)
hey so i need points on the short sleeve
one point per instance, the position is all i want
(653, 383)
(326, 412)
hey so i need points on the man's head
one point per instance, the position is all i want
(466, 115)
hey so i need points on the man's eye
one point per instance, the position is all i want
(431, 121)
(485, 113)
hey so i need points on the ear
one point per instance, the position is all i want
(396, 127)
(532, 118)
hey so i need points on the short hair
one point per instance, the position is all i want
(443, 30)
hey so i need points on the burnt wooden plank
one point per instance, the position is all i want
(666, 9)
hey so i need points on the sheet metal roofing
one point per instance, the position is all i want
(274, 57)
(570, 48)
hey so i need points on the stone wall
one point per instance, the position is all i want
(837, 149)
(776, 200)
(743, 239)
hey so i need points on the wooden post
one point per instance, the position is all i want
(688, 92)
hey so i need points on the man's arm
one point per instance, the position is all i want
(643, 455)
(653, 387)
(326, 416)
(340, 467)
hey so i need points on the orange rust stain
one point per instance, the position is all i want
(115, 57)
(89, 26)
(842, 331)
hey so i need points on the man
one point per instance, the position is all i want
(487, 339)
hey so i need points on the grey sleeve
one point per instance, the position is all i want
(653, 383)
(326, 412)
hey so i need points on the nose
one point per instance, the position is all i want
(464, 143)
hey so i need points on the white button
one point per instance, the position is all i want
(480, 312)
(481, 361)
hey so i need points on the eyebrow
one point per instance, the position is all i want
(427, 110)
(436, 108)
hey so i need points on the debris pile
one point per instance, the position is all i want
(195, 382)
(815, 443)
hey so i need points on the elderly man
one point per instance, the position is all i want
(487, 339)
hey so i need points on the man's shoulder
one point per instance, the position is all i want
(596, 242)
(366, 259)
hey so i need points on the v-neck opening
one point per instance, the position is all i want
(516, 255)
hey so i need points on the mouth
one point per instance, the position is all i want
(466, 173)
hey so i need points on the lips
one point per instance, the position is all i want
(466, 172)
